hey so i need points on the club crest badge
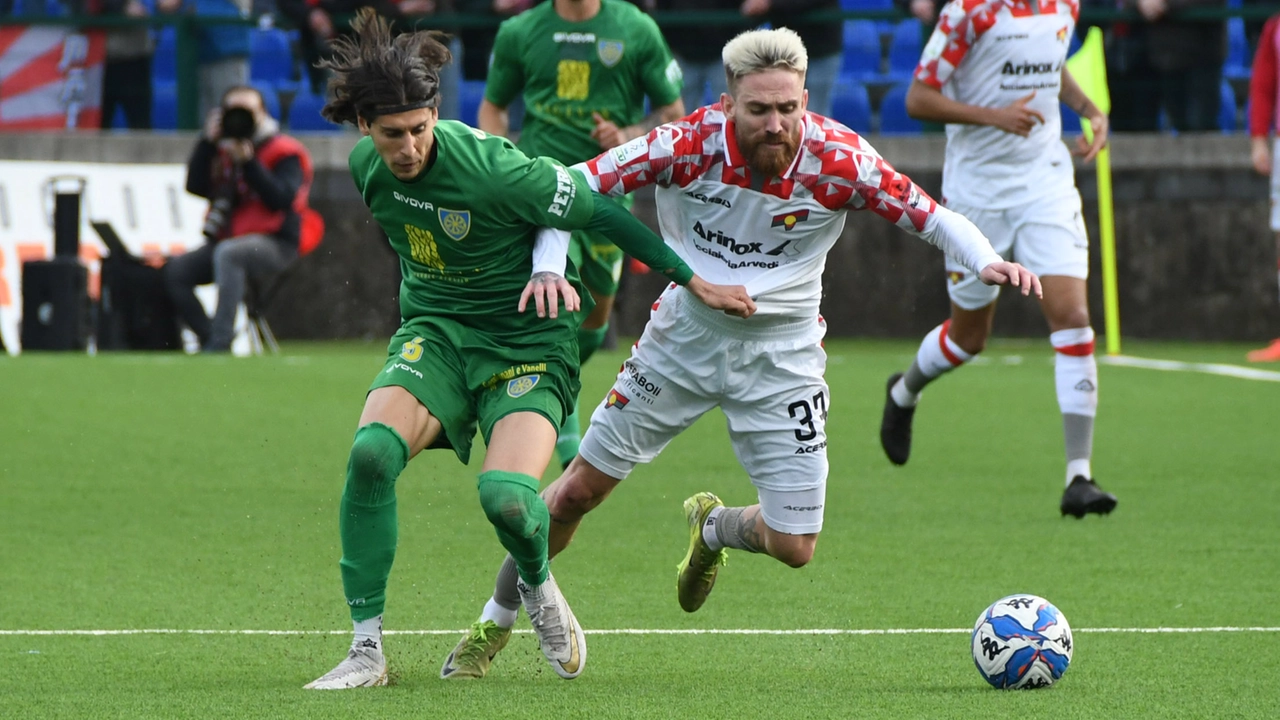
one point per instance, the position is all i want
(455, 223)
(610, 51)
(616, 399)
(521, 385)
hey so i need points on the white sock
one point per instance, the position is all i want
(938, 354)
(709, 530)
(1075, 371)
(503, 617)
(368, 630)
(1078, 467)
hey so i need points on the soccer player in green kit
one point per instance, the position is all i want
(461, 209)
(584, 68)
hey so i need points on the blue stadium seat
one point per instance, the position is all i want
(164, 106)
(164, 63)
(866, 4)
(1227, 109)
(861, 50)
(304, 114)
(1070, 121)
(472, 92)
(270, 98)
(271, 59)
(904, 49)
(893, 113)
(1239, 62)
(851, 105)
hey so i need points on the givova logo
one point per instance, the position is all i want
(413, 202)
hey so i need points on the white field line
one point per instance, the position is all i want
(1235, 371)
(642, 631)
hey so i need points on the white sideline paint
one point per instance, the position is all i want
(1234, 371)
(646, 631)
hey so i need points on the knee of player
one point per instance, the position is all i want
(568, 499)
(378, 453)
(1074, 318)
(972, 341)
(510, 501)
(796, 550)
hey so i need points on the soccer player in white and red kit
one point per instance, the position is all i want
(755, 190)
(1264, 117)
(994, 72)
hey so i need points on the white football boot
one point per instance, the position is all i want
(559, 633)
(364, 666)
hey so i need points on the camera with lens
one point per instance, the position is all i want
(217, 218)
(238, 124)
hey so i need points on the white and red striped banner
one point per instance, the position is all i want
(50, 77)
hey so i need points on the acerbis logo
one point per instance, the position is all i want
(709, 199)
(413, 202)
(724, 241)
(1030, 68)
(801, 508)
(807, 449)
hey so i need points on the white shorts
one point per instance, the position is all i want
(1275, 185)
(1046, 237)
(768, 381)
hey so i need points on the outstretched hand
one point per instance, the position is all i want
(732, 299)
(546, 289)
(1013, 274)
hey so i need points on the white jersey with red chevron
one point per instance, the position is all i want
(773, 234)
(991, 53)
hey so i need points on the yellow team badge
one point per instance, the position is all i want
(455, 223)
(521, 385)
(412, 350)
(610, 51)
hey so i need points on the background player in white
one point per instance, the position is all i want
(994, 71)
(756, 192)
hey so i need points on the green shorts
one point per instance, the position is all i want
(468, 378)
(599, 261)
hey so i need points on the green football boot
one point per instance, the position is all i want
(698, 569)
(472, 656)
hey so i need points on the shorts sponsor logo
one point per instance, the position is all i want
(413, 202)
(788, 220)
(412, 350)
(610, 51)
(616, 399)
(647, 389)
(955, 277)
(406, 368)
(566, 191)
(801, 508)
(810, 449)
(521, 385)
(455, 223)
(512, 372)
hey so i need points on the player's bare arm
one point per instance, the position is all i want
(493, 119)
(610, 136)
(1073, 96)
(925, 102)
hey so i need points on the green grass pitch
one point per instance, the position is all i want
(146, 491)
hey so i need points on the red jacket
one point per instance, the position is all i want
(1264, 85)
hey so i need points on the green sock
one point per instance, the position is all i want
(589, 341)
(521, 519)
(569, 440)
(367, 517)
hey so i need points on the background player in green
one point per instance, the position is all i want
(584, 68)
(461, 208)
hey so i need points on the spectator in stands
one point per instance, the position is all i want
(1163, 63)
(126, 77)
(257, 181)
(1263, 118)
(697, 49)
(824, 40)
(926, 11)
(224, 50)
(477, 42)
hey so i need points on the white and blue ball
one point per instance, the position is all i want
(1021, 641)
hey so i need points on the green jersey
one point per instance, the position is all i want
(569, 70)
(464, 229)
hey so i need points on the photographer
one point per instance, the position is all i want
(257, 181)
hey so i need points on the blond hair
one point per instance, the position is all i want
(758, 50)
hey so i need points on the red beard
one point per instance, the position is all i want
(770, 160)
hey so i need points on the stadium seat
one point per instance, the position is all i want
(1227, 109)
(164, 106)
(1070, 121)
(861, 50)
(866, 4)
(851, 105)
(472, 92)
(164, 63)
(1239, 62)
(893, 113)
(904, 49)
(271, 59)
(304, 114)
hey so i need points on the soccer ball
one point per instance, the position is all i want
(1021, 641)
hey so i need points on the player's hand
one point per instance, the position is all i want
(1101, 128)
(213, 125)
(1013, 274)
(607, 133)
(1261, 155)
(239, 150)
(1018, 118)
(732, 299)
(546, 289)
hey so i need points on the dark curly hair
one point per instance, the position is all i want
(378, 73)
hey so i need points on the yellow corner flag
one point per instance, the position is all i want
(1089, 68)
